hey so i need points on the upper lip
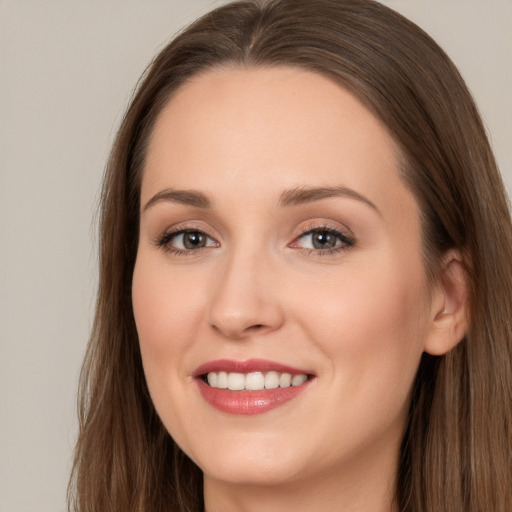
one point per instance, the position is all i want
(248, 366)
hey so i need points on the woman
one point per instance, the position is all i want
(305, 287)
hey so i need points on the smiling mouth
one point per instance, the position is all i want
(250, 387)
(253, 381)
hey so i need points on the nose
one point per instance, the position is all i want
(246, 301)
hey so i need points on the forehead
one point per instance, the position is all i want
(268, 129)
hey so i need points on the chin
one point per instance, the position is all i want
(260, 464)
(252, 473)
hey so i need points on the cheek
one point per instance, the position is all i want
(388, 298)
(370, 332)
(166, 306)
(371, 325)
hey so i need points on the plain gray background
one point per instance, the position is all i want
(67, 72)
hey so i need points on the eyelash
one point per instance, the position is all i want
(164, 242)
(347, 242)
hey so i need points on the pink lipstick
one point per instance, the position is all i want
(250, 387)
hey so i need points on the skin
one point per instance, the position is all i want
(358, 318)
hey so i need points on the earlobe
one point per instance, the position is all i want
(450, 308)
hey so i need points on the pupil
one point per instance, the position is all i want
(193, 240)
(323, 240)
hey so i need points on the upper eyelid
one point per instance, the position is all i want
(305, 231)
(172, 233)
(328, 226)
(188, 226)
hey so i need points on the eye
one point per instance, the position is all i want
(324, 240)
(185, 240)
(190, 240)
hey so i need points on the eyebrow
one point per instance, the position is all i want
(185, 197)
(292, 197)
(302, 195)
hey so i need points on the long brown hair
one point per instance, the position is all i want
(456, 455)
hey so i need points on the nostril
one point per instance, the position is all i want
(255, 328)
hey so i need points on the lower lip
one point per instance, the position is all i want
(249, 402)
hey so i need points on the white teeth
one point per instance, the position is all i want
(212, 379)
(271, 380)
(254, 381)
(236, 381)
(222, 380)
(285, 381)
(297, 380)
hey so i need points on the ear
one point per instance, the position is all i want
(449, 307)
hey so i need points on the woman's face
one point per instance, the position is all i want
(278, 243)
